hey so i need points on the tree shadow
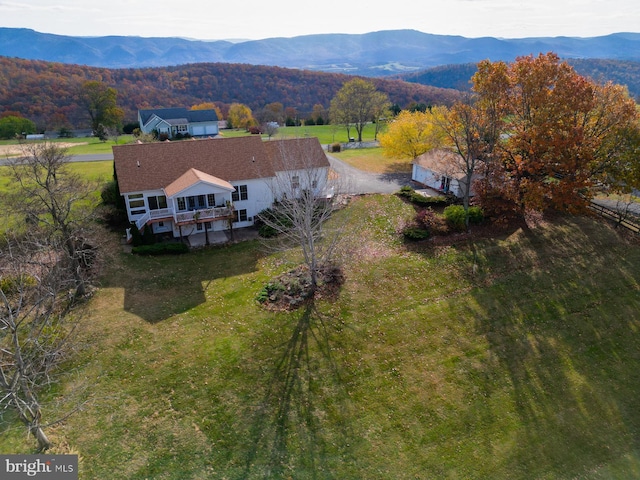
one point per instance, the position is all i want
(392, 176)
(289, 433)
(567, 345)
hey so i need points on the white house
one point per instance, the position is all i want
(188, 187)
(441, 170)
(179, 121)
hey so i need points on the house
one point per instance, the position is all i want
(179, 122)
(441, 170)
(196, 186)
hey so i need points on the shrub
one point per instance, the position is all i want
(406, 192)
(136, 236)
(476, 215)
(418, 199)
(109, 193)
(148, 237)
(415, 233)
(161, 249)
(271, 291)
(274, 217)
(10, 284)
(455, 216)
(431, 221)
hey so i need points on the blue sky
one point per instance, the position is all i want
(250, 19)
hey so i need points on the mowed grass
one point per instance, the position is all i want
(421, 368)
(326, 134)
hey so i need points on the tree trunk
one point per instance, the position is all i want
(41, 437)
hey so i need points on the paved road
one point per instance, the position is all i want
(633, 207)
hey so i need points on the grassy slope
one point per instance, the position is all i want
(529, 369)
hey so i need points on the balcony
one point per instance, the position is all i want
(184, 218)
(202, 215)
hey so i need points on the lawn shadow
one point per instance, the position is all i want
(560, 319)
(288, 432)
(156, 288)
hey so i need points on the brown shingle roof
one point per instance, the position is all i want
(296, 154)
(441, 161)
(152, 166)
(191, 177)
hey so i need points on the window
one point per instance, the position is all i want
(156, 203)
(241, 216)
(295, 181)
(181, 204)
(182, 129)
(136, 200)
(211, 200)
(240, 193)
(314, 184)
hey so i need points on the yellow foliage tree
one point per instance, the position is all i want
(240, 116)
(209, 106)
(411, 134)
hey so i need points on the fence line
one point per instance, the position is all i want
(617, 217)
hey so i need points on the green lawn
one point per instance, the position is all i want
(326, 134)
(419, 369)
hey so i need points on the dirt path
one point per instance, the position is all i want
(10, 150)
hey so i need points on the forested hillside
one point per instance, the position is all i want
(459, 76)
(48, 93)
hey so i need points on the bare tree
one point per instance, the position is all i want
(270, 128)
(36, 325)
(52, 200)
(470, 134)
(305, 194)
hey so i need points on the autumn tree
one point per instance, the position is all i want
(240, 116)
(356, 104)
(411, 134)
(100, 102)
(561, 133)
(208, 106)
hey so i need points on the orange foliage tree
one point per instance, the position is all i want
(561, 133)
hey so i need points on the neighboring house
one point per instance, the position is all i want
(174, 121)
(196, 186)
(441, 170)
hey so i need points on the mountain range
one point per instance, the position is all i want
(372, 54)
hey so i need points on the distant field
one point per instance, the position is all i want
(326, 134)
